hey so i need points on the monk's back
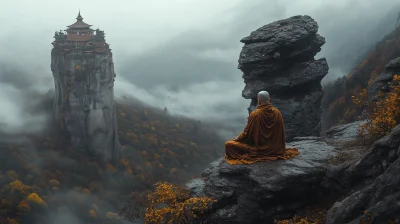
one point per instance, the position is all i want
(263, 137)
(270, 133)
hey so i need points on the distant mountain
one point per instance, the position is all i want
(45, 182)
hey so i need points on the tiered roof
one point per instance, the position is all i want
(79, 24)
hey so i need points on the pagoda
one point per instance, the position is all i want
(84, 105)
(81, 37)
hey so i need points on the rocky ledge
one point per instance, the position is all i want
(279, 58)
(368, 181)
(263, 191)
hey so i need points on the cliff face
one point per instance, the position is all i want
(381, 83)
(279, 58)
(84, 103)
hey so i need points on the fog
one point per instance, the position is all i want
(181, 54)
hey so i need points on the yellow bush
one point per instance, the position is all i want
(111, 216)
(295, 220)
(92, 214)
(54, 183)
(382, 115)
(171, 203)
(35, 198)
(23, 206)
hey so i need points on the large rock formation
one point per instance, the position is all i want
(84, 105)
(279, 58)
(260, 192)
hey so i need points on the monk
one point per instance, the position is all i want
(263, 138)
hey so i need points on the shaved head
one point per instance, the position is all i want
(263, 97)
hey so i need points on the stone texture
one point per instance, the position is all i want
(84, 105)
(279, 58)
(344, 132)
(381, 83)
(375, 184)
(263, 191)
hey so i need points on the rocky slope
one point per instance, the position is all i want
(279, 58)
(374, 182)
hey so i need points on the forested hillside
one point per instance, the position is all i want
(337, 104)
(43, 182)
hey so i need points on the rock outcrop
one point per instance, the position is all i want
(260, 192)
(375, 183)
(381, 83)
(84, 105)
(279, 58)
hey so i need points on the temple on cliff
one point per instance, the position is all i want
(81, 38)
(84, 105)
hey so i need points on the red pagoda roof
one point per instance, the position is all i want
(79, 23)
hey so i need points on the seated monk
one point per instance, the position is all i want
(263, 138)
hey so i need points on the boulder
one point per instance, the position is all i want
(279, 58)
(263, 191)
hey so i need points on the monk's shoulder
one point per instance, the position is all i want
(276, 110)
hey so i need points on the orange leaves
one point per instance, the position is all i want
(177, 205)
(92, 214)
(383, 115)
(86, 191)
(33, 197)
(112, 216)
(54, 183)
(24, 207)
(295, 220)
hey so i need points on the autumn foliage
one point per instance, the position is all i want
(381, 115)
(167, 204)
(39, 176)
(337, 104)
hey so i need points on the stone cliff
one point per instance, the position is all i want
(84, 106)
(279, 58)
(382, 82)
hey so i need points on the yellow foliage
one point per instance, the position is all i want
(54, 183)
(35, 198)
(17, 185)
(173, 170)
(86, 191)
(92, 214)
(111, 215)
(295, 220)
(23, 206)
(383, 115)
(171, 203)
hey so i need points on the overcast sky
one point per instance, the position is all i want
(176, 53)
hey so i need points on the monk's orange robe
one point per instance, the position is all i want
(263, 139)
